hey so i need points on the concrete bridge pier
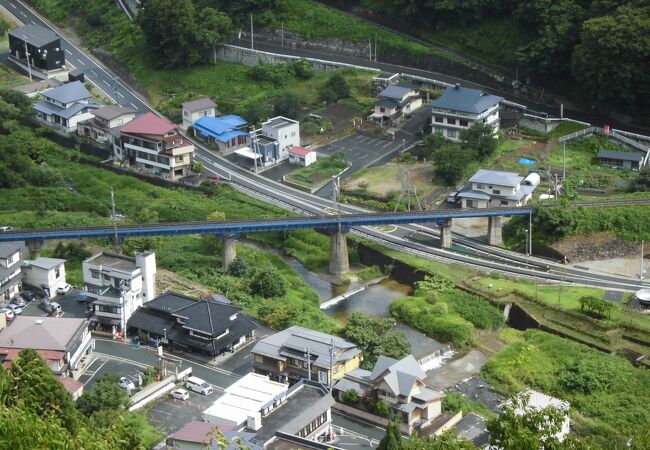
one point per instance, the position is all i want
(495, 230)
(34, 246)
(445, 233)
(339, 261)
(118, 243)
(229, 250)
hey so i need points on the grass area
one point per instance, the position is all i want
(565, 128)
(603, 390)
(320, 172)
(9, 77)
(386, 179)
(499, 50)
(455, 401)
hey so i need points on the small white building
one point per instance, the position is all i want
(302, 156)
(195, 109)
(47, 273)
(538, 401)
(458, 108)
(117, 285)
(254, 395)
(285, 131)
(495, 189)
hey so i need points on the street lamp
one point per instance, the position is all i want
(165, 334)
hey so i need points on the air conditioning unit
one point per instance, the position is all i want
(254, 422)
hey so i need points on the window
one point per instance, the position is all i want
(57, 272)
(186, 114)
(108, 309)
(463, 123)
(107, 277)
(452, 134)
(504, 202)
(451, 121)
(382, 109)
(259, 359)
(94, 273)
(438, 119)
(496, 191)
(480, 186)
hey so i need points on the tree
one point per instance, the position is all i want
(268, 282)
(392, 440)
(375, 336)
(214, 29)
(197, 167)
(106, 396)
(350, 396)
(642, 182)
(147, 215)
(479, 138)
(168, 27)
(288, 105)
(303, 69)
(217, 216)
(238, 268)
(446, 441)
(450, 162)
(335, 89)
(256, 112)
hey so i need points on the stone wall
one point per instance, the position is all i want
(250, 57)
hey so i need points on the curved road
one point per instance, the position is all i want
(488, 258)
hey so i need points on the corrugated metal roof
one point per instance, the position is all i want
(34, 34)
(495, 177)
(215, 126)
(395, 92)
(468, 100)
(623, 156)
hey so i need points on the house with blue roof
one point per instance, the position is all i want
(458, 108)
(226, 133)
(65, 106)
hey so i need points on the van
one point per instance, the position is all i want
(198, 385)
(52, 308)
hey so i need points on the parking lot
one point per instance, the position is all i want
(102, 365)
(171, 414)
(69, 304)
(478, 390)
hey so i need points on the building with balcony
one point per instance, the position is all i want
(300, 353)
(153, 144)
(195, 109)
(105, 124)
(394, 102)
(11, 276)
(117, 286)
(458, 108)
(495, 189)
(43, 47)
(65, 106)
(61, 342)
(285, 131)
(202, 326)
(400, 385)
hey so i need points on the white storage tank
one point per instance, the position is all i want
(532, 179)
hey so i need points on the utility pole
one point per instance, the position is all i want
(641, 264)
(370, 48)
(113, 219)
(308, 353)
(282, 33)
(330, 376)
(530, 233)
(29, 67)
(375, 47)
(561, 110)
(251, 31)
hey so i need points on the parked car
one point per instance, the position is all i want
(198, 385)
(5, 228)
(126, 383)
(180, 394)
(82, 297)
(9, 314)
(18, 301)
(28, 295)
(62, 290)
(52, 308)
(15, 308)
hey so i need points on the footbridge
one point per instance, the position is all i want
(229, 231)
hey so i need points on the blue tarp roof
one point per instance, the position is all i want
(228, 135)
(215, 126)
(458, 98)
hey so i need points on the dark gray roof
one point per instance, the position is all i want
(8, 249)
(495, 177)
(110, 112)
(623, 156)
(395, 92)
(34, 34)
(468, 100)
(278, 122)
(400, 375)
(469, 193)
(387, 103)
(50, 109)
(199, 104)
(69, 92)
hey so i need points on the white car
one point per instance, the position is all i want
(62, 290)
(180, 394)
(15, 309)
(9, 314)
(126, 383)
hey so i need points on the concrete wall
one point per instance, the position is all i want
(540, 124)
(250, 57)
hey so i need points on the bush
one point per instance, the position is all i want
(276, 74)
(303, 69)
(335, 89)
(288, 105)
(238, 268)
(350, 396)
(473, 308)
(268, 283)
(379, 407)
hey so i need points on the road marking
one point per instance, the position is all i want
(23, 14)
(12, 5)
(120, 94)
(69, 52)
(94, 372)
(133, 105)
(82, 63)
(106, 83)
(386, 144)
(93, 72)
(161, 412)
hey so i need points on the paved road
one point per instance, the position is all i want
(304, 203)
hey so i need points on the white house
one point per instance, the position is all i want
(285, 131)
(117, 285)
(394, 102)
(195, 109)
(458, 108)
(302, 156)
(11, 278)
(65, 106)
(47, 273)
(495, 189)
